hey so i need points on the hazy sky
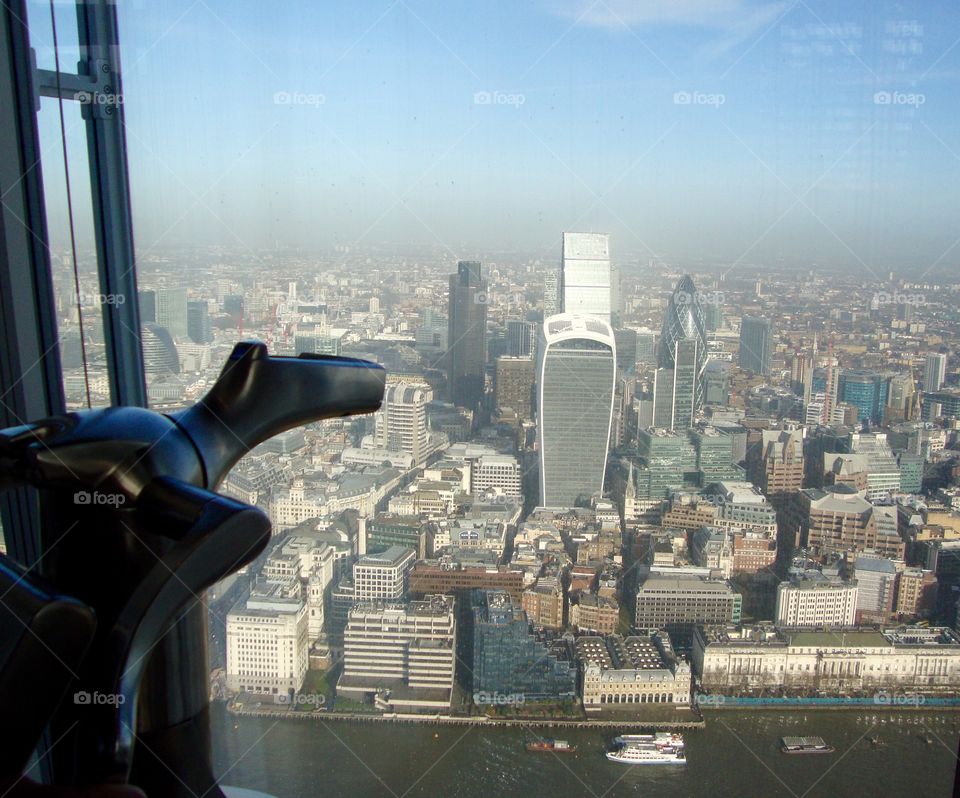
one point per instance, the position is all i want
(722, 130)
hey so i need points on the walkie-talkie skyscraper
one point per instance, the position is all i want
(577, 372)
(684, 321)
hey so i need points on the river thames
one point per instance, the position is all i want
(736, 755)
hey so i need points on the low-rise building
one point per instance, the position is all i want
(729, 660)
(590, 612)
(543, 603)
(679, 603)
(384, 576)
(637, 670)
(450, 576)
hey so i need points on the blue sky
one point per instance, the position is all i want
(694, 131)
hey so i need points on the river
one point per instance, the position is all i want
(736, 755)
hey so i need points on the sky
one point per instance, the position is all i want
(694, 131)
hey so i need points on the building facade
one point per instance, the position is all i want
(577, 377)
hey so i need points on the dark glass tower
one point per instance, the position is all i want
(466, 348)
(756, 345)
(198, 323)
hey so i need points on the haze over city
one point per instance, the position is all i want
(698, 133)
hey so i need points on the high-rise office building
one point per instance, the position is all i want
(401, 422)
(586, 279)
(198, 323)
(577, 371)
(409, 646)
(159, 351)
(627, 344)
(934, 371)
(317, 344)
(901, 399)
(866, 390)
(148, 305)
(552, 292)
(513, 385)
(676, 388)
(683, 321)
(171, 310)
(756, 345)
(521, 337)
(467, 335)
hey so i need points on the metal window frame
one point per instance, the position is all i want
(30, 372)
(31, 384)
(97, 86)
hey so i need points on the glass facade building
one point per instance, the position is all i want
(684, 321)
(756, 345)
(467, 335)
(577, 374)
(507, 658)
(587, 284)
(866, 390)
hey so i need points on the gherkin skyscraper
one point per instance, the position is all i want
(684, 322)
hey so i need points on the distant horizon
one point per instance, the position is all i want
(745, 132)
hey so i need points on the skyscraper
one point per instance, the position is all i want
(513, 385)
(552, 292)
(198, 323)
(676, 388)
(159, 351)
(148, 305)
(467, 335)
(586, 281)
(521, 335)
(577, 372)
(756, 345)
(401, 422)
(934, 371)
(866, 390)
(684, 321)
(171, 310)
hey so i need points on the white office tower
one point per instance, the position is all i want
(384, 576)
(934, 371)
(401, 422)
(587, 284)
(812, 599)
(577, 372)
